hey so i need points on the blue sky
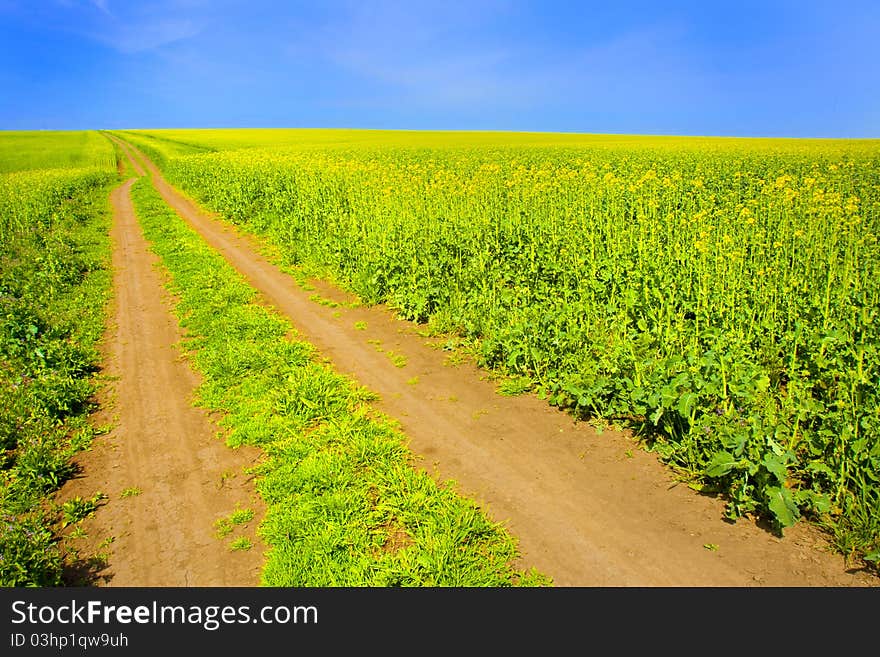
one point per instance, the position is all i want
(788, 69)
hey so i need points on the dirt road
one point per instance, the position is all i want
(178, 475)
(588, 509)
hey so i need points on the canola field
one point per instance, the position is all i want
(718, 296)
(40, 169)
(54, 149)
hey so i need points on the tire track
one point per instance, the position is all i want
(160, 443)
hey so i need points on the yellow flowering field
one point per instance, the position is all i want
(719, 296)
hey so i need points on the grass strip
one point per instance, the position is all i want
(55, 281)
(346, 506)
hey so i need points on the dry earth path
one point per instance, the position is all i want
(160, 445)
(588, 508)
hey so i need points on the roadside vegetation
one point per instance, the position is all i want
(54, 285)
(51, 149)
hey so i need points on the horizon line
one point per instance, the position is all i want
(460, 130)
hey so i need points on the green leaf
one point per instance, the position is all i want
(762, 383)
(721, 464)
(776, 447)
(686, 404)
(776, 467)
(782, 505)
(819, 502)
(873, 556)
(820, 467)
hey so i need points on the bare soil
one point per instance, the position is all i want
(588, 508)
(160, 445)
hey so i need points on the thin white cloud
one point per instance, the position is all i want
(100, 5)
(135, 37)
(419, 53)
(432, 56)
(127, 27)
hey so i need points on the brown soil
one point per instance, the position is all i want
(159, 444)
(588, 508)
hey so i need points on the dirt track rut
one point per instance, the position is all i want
(160, 444)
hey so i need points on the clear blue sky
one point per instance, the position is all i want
(698, 67)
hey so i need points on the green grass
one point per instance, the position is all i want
(50, 149)
(240, 544)
(510, 386)
(76, 509)
(346, 506)
(241, 516)
(225, 526)
(398, 360)
(54, 284)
